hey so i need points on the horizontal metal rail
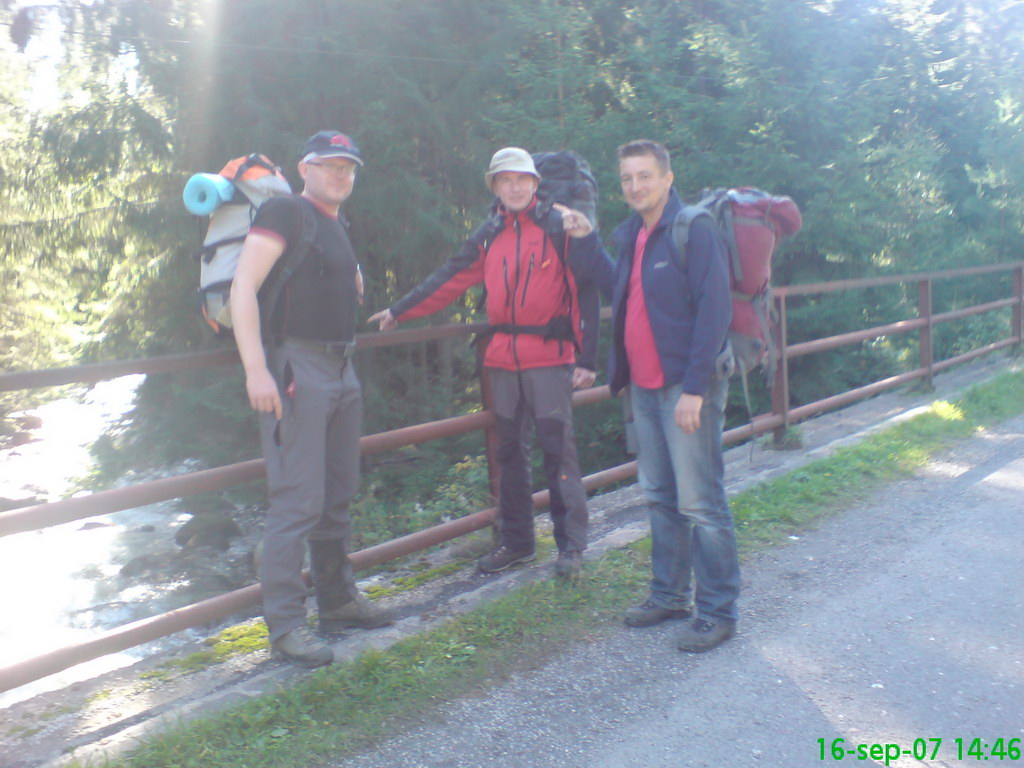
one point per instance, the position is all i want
(974, 354)
(902, 326)
(44, 515)
(90, 374)
(874, 282)
(768, 422)
(854, 337)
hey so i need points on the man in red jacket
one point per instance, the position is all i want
(544, 322)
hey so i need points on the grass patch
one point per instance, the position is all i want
(23, 731)
(767, 512)
(792, 440)
(232, 641)
(341, 708)
(55, 712)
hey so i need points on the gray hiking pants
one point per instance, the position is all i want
(542, 397)
(312, 457)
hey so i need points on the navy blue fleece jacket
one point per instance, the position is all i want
(688, 300)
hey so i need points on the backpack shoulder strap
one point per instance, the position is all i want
(489, 228)
(293, 256)
(681, 230)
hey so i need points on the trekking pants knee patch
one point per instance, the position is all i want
(551, 437)
(507, 431)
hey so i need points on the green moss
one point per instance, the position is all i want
(406, 583)
(23, 731)
(229, 642)
(55, 712)
(241, 638)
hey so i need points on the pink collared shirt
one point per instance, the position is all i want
(644, 363)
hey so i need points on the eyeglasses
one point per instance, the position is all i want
(348, 169)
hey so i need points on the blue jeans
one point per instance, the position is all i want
(691, 525)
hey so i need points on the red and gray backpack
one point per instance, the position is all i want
(752, 222)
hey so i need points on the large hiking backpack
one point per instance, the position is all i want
(231, 199)
(565, 178)
(752, 222)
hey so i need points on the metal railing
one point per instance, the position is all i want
(220, 607)
(782, 415)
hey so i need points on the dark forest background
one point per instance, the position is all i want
(895, 124)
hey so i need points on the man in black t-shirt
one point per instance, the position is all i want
(299, 376)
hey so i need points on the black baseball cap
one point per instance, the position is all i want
(330, 144)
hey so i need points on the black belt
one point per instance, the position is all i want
(533, 330)
(556, 329)
(340, 348)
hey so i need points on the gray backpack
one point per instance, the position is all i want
(231, 199)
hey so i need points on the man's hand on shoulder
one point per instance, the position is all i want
(687, 412)
(574, 223)
(583, 378)
(385, 320)
(263, 393)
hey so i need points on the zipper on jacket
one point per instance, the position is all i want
(512, 303)
(526, 284)
(509, 297)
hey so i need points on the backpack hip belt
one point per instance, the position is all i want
(556, 329)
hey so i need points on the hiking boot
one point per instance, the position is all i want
(501, 558)
(569, 565)
(358, 613)
(703, 635)
(649, 613)
(302, 648)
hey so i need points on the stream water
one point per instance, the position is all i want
(64, 583)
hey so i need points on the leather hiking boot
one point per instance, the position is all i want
(339, 604)
(302, 648)
(501, 558)
(702, 635)
(358, 613)
(569, 565)
(648, 613)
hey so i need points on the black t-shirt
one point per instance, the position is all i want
(319, 300)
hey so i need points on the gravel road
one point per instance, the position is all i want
(899, 620)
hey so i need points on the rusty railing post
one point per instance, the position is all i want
(1017, 332)
(780, 384)
(925, 343)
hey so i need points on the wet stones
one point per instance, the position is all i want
(213, 529)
